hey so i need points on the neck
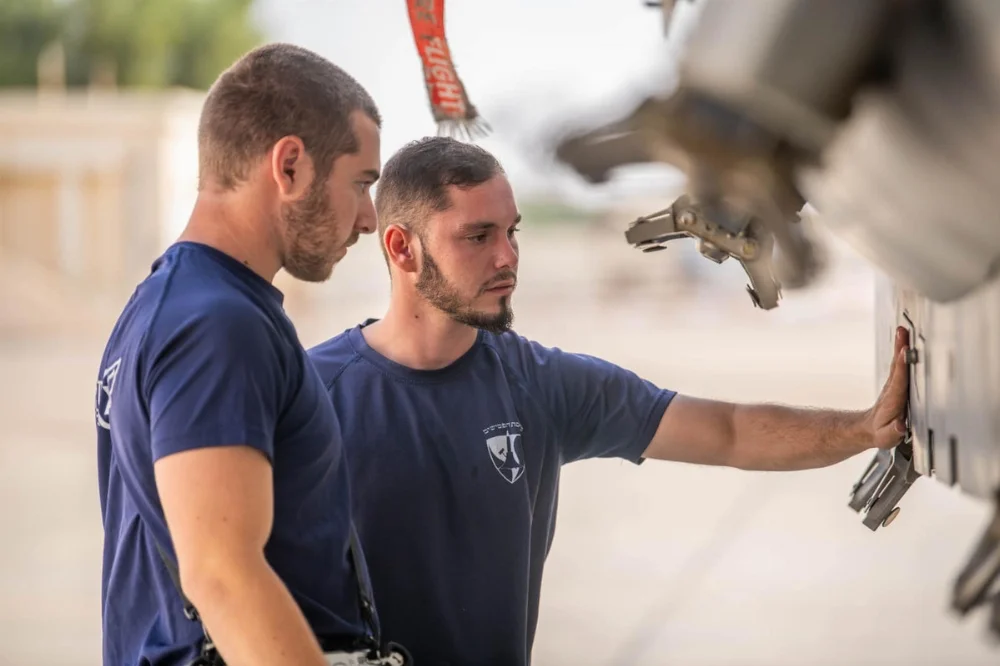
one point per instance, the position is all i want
(233, 223)
(418, 336)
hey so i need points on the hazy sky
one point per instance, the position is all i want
(525, 63)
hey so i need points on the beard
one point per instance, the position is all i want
(310, 229)
(439, 292)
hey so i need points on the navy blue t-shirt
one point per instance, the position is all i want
(204, 355)
(455, 474)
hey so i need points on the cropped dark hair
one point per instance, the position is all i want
(415, 180)
(274, 91)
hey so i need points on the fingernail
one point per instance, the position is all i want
(900, 427)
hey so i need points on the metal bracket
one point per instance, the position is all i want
(745, 239)
(886, 479)
(863, 491)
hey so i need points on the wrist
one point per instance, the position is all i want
(862, 429)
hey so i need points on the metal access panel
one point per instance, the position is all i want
(954, 382)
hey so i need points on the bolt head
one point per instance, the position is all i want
(891, 517)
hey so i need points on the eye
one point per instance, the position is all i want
(478, 238)
(513, 230)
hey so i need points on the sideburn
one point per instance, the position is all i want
(308, 222)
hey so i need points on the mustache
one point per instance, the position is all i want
(505, 276)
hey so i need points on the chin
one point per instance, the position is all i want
(313, 273)
(493, 303)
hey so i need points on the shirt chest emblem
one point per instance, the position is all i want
(503, 442)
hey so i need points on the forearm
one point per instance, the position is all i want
(775, 437)
(251, 616)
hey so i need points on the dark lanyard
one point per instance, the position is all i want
(209, 656)
(364, 596)
(373, 638)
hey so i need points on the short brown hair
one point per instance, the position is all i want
(415, 180)
(274, 91)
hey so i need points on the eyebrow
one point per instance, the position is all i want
(483, 225)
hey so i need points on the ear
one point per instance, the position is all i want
(291, 168)
(401, 245)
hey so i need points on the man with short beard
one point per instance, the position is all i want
(219, 453)
(456, 427)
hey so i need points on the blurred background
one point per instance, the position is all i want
(659, 564)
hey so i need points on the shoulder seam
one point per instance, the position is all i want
(159, 303)
(355, 356)
(522, 384)
(162, 299)
(171, 271)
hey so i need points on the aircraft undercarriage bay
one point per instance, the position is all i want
(885, 118)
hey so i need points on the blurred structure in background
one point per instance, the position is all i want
(99, 105)
(92, 185)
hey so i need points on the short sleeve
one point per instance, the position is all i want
(214, 379)
(601, 410)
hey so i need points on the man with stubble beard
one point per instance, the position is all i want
(219, 453)
(456, 427)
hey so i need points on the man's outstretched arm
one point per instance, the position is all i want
(219, 506)
(774, 437)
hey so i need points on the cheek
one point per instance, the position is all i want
(472, 275)
(344, 201)
(449, 264)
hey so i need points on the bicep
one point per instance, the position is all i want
(218, 380)
(695, 430)
(217, 503)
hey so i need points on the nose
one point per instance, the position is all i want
(507, 254)
(367, 217)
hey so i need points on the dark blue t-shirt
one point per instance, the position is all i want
(203, 355)
(455, 475)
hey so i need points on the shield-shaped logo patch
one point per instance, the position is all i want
(506, 454)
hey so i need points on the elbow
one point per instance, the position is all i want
(733, 450)
(757, 440)
(732, 456)
(205, 590)
(213, 581)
